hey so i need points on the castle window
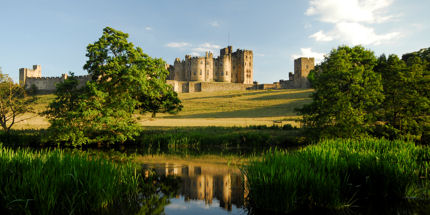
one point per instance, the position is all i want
(226, 73)
(201, 62)
(195, 73)
(200, 72)
(222, 73)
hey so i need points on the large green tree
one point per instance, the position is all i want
(125, 81)
(13, 102)
(406, 108)
(347, 94)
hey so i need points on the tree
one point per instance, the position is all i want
(347, 94)
(124, 81)
(13, 102)
(406, 107)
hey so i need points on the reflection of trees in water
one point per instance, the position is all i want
(156, 190)
(206, 183)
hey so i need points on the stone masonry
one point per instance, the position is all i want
(302, 67)
(33, 77)
(229, 67)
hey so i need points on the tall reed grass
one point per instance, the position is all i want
(336, 174)
(57, 182)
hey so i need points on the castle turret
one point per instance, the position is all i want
(25, 73)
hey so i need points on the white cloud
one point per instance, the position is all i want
(333, 11)
(148, 28)
(351, 19)
(178, 44)
(321, 36)
(307, 52)
(205, 47)
(215, 24)
(355, 34)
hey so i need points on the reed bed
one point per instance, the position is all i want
(336, 174)
(56, 182)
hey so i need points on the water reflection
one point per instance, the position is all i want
(215, 185)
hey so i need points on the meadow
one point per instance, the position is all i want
(222, 109)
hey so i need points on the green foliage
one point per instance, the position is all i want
(406, 107)
(13, 102)
(336, 174)
(347, 92)
(59, 182)
(124, 81)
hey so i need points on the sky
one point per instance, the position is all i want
(55, 33)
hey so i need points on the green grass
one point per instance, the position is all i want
(59, 182)
(182, 138)
(336, 174)
(225, 109)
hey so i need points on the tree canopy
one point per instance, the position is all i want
(358, 95)
(13, 102)
(125, 81)
(347, 91)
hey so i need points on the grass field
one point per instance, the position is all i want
(233, 108)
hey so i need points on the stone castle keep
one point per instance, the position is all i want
(229, 67)
(229, 71)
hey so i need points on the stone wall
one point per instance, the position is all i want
(194, 86)
(33, 77)
(230, 67)
(302, 67)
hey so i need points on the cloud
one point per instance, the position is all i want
(195, 50)
(215, 24)
(355, 34)
(351, 20)
(178, 44)
(321, 36)
(307, 52)
(205, 47)
(333, 11)
(148, 28)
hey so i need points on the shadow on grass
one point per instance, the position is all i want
(284, 109)
(246, 93)
(292, 95)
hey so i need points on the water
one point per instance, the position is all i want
(205, 187)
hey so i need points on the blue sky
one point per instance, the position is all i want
(55, 34)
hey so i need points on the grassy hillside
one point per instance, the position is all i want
(235, 108)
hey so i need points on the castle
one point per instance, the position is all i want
(33, 77)
(229, 71)
(302, 67)
(229, 67)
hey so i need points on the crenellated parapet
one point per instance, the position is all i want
(229, 67)
(33, 77)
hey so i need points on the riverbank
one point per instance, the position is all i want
(336, 175)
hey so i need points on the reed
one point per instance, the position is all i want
(59, 182)
(336, 174)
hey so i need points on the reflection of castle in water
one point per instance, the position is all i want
(206, 183)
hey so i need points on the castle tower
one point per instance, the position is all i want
(25, 73)
(302, 67)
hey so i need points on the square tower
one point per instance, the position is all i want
(302, 67)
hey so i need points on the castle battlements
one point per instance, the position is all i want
(33, 77)
(230, 67)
